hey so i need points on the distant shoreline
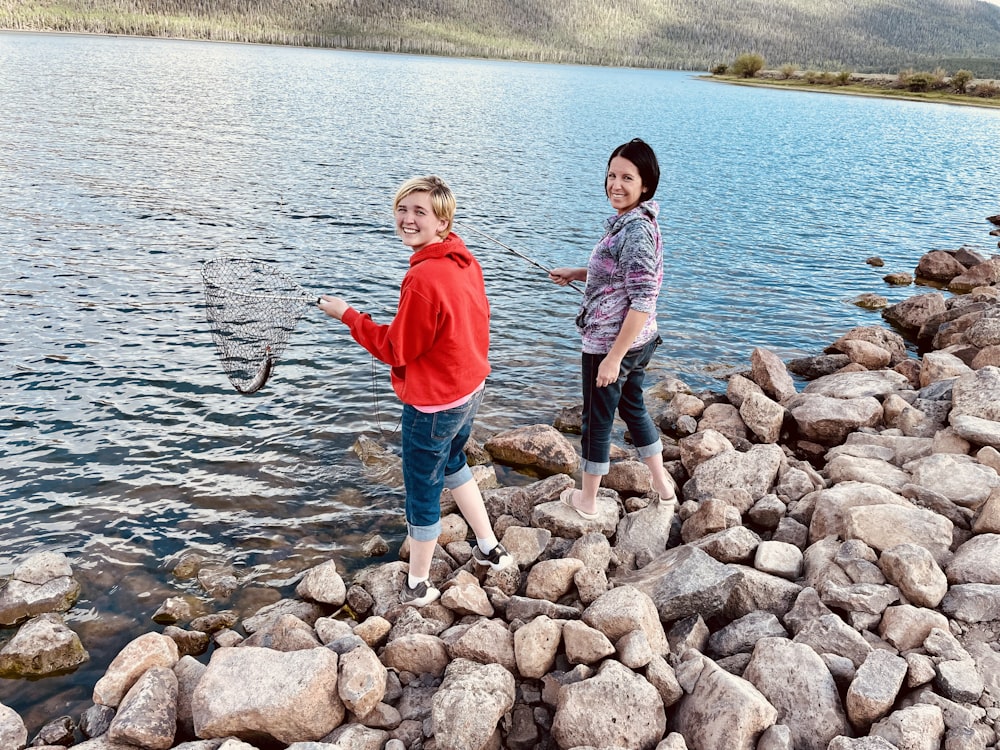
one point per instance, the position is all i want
(858, 90)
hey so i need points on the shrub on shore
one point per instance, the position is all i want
(748, 65)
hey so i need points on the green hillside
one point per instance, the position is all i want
(865, 35)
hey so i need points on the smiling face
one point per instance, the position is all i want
(416, 223)
(623, 185)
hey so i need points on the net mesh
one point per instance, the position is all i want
(252, 309)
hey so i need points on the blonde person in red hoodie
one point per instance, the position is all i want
(437, 346)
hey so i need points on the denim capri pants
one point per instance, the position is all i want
(625, 395)
(434, 458)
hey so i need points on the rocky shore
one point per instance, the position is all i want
(828, 579)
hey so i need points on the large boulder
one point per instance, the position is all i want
(615, 708)
(43, 646)
(828, 420)
(719, 709)
(470, 703)
(755, 471)
(794, 679)
(294, 696)
(539, 446)
(975, 413)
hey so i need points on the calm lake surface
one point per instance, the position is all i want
(127, 163)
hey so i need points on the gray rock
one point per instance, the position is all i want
(975, 413)
(797, 683)
(43, 646)
(769, 372)
(469, 704)
(912, 313)
(756, 590)
(307, 612)
(539, 446)
(614, 708)
(147, 716)
(755, 471)
(844, 468)
(976, 561)
(283, 632)
(719, 709)
(779, 558)
(625, 609)
(915, 572)
(919, 727)
(875, 687)
(684, 581)
(643, 534)
(294, 698)
(858, 385)
(961, 479)
(323, 584)
(831, 635)
(959, 680)
(736, 544)
(13, 733)
(59, 731)
(811, 368)
(861, 743)
(828, 420)
(742, 634)
(20, 600)
(972, 602)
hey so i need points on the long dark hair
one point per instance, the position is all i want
(641, 154)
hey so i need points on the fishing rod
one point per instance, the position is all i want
(520, 255)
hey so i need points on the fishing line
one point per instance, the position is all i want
(520, 255)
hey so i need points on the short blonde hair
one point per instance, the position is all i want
(442, 199)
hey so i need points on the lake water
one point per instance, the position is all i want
(127, 163)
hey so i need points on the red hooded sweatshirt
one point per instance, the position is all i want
(438, 343)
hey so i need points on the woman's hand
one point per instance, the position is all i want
(565, 276)
(335, 307)
(609, 370)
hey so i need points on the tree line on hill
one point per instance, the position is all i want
(867, 35)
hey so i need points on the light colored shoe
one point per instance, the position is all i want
(420, 595)
(498, 557)
(566, 498)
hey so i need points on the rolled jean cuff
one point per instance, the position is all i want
(424, 533)
(648, 451)
(460, 477)
(595, 468)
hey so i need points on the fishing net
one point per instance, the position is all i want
(252, 309)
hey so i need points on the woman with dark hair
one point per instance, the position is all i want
(617, 321)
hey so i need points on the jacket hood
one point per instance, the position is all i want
(451, 247)
(647, 210)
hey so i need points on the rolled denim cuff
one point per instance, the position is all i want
(460, 477)
(424, 533)
(648, 451)
(595, 468)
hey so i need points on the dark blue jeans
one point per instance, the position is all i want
(625, 395)
(434, 458)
